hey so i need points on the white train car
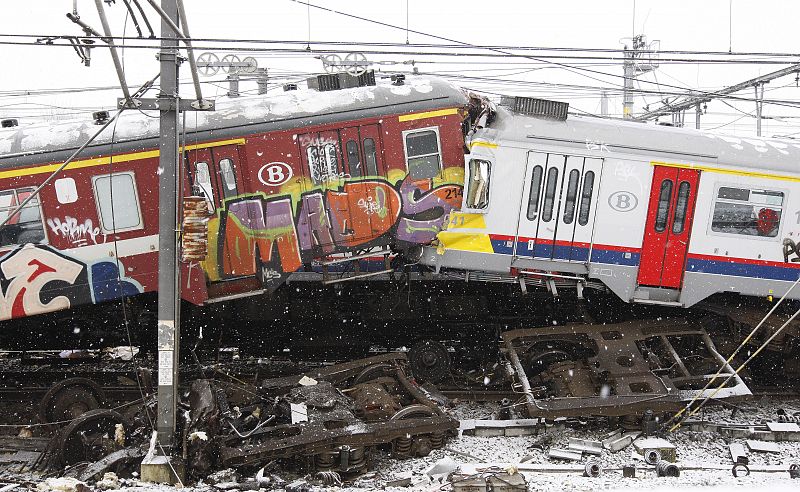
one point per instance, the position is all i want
(658, 215)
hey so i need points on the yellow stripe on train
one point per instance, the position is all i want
(459, 220)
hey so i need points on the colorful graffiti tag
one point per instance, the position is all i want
(39, 279)
(269, 236)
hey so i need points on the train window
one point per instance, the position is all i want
(202, 179)
(323, 162)
(117, 202)
(549, 194)
(370, 157)
(66, 191)
(747, 212)
(586, 198)
(229, 187)
(478, 186)
(533, 195)
(25, 226)
(353, 159)
(664, 198)
(423, 156)
(680, 208)
(572, 195)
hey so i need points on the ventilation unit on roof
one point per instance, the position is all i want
(9, 123)
(336, 81)
(536, 107)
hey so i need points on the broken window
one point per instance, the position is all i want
(26, 225)
(478, 186)
(747, 212)
(423, 155)
(226, 170)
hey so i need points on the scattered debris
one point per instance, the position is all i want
(763, 446)
(490, 482)
(665, 448)
(440, 470)
(585, 446)
(564, 454)
(629, 471)
(666, 469)
(738, 454)
(592, 469)
(739, 468)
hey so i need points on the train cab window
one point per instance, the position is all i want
(747, 212)
(478, 186)
(25, 226)
(353, 159)
(586, 198)
(202, 179)
(680, 208)
(533, 196)
(117, 202)
(370, 157)
(228, 175)
(423, 155)
(572, 196)
(66, 191)
(323, 162)
(662, 212)
(549, 194)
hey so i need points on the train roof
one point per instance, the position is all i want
(234, 117)
(653, 142)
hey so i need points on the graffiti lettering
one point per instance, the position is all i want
(269, 237)
(596, 145)
(39, 279)
(79, 234)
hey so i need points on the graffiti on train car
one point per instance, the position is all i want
(37, 279)
(264, 235)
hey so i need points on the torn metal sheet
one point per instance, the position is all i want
(585, 446)
(738, 453)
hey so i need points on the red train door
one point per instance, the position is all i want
(668, 227)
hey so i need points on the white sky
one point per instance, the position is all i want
(756, 26)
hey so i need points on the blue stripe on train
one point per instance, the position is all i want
(737, 269)
(559, 252)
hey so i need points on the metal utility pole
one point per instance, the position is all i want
(604, 104)
(641, 58)
(697, 113)
(627, 95)
(168, 272)
(759, 105)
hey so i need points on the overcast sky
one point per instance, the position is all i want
(708, 25)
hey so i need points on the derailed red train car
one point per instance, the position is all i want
(289, 180)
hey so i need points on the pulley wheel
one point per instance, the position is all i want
(429, 361)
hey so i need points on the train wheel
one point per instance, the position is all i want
(92, 436)
(70, 399)
(429, 361)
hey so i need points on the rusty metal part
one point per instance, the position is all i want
(90, 437)
(739, 468)
(613, 370)
(345, 410)
(69, 399)
(429, 361)
(666, 469)
(123, 458)
(194, 237)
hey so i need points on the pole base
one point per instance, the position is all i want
(163, 469)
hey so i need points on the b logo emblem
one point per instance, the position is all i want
(275, 173)
(623, 201)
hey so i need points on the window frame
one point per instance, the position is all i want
(435, 129)
(468, 180)
(42, 219)
(726, 184)
(538, 190)
(102, 224)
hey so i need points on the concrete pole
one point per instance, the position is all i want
(627, 100)
(604, 104)
(697, 113)
(168, 273)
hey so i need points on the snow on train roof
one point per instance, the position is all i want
(136, 125)
(653, 142)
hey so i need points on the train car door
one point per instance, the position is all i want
(321, 165)
(536, 230)
(577, 204)
(203, 179)
(668, 227)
